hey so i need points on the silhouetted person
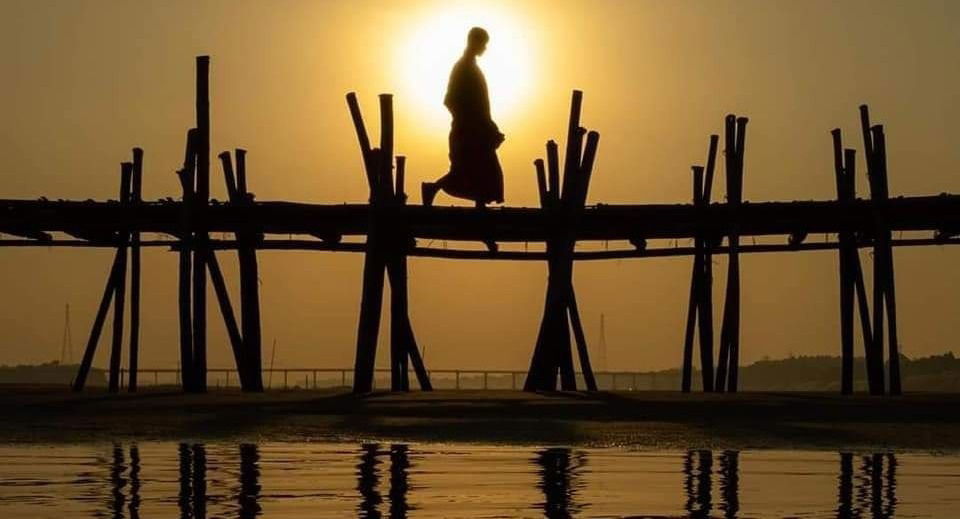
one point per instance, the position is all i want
(475, 172)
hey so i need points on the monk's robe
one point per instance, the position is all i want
(475, 172)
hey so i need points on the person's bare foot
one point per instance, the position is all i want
(428, 191)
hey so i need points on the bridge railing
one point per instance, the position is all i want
(467, 379)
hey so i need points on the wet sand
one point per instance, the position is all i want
(661, 420)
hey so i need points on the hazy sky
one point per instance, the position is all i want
(84, 81)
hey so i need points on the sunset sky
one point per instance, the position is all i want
(84, 81)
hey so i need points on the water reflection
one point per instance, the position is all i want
(368, 480)
(248, 495)
(193, 481)
(559, 469)
(866, 484)
(875, 488)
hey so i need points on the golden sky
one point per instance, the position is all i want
(84, 81)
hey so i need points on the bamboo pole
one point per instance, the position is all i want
(586, 367)
(371, 300)
(705, 288)
(874, 355)
(846, 280)
(185, 292)
(893, 354)
(371, 297)
(730, 152)
(553, 166)
(734, 364)
(542, 189)
(229, 318)
(116, 350)
(552, 353)
(249, 286)
(88, 353)
(136, 198)
(201, 198)
(693, 301)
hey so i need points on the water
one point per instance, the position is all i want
(272, 480)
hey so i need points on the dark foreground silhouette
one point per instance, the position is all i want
(656, 419)
(475, 172)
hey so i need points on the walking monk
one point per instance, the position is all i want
(475, 172)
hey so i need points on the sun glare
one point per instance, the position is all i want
(437, 42)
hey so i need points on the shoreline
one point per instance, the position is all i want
(923, 422)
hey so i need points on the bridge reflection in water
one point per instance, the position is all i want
(866, 484)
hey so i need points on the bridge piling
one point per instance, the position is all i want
(136, 197)
(201, 199)
(116, 350)
(185, 271)
(728, 362)
(562, 206)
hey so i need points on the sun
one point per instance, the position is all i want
(437, 41)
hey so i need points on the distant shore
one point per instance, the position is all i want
(667, 420)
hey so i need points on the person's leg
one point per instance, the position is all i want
(428, 190)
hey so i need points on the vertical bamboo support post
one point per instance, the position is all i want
(841, 172)
(249, 287)
(585, 172)
(552, 353)
(693, 302)
(403, 342)
(730, 151)
(886, 265)
(705, 288)
(542, 190)
(184, 292)
(371, 298)
(875, 353)
(220, 286)
(201, 198)
(399, 311)
(116, 350)
(136, 194)
(883, 263)
(734, 364)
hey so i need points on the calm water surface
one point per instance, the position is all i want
(398, 480)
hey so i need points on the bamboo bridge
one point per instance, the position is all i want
(394, 231)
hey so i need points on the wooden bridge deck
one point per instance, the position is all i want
(101, 224)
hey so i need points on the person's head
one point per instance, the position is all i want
(477, 41)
